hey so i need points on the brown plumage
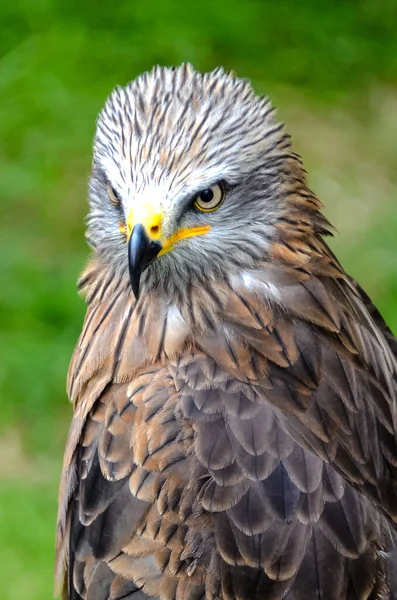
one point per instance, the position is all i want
(234, 429)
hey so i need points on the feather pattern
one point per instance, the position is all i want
(236, 438)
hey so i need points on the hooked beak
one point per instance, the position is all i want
(144, 232)
(141, 252)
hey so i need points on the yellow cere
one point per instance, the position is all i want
(150, 216)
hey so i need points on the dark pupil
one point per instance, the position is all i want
(206, 195)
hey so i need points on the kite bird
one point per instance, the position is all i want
(234, 390)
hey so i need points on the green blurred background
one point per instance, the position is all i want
(331, 67)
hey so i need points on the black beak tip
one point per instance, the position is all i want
(141, 252)
(135, 280)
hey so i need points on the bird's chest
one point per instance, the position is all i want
(213, 454)
(212, 435)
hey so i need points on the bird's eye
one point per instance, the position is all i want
(210, 199)
(114, 197)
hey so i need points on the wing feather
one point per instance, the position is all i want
(252, 457)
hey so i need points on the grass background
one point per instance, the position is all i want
(331, 67)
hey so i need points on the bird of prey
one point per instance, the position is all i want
(234, 389)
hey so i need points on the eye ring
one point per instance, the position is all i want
(210, 198)
(114, 196)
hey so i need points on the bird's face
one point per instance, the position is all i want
(188, 178)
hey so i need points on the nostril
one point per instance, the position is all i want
(154, 229)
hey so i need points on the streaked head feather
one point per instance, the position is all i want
(173, 132)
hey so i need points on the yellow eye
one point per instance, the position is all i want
(113, 195)
(210, 199)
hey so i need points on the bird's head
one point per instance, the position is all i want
(189, 178)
